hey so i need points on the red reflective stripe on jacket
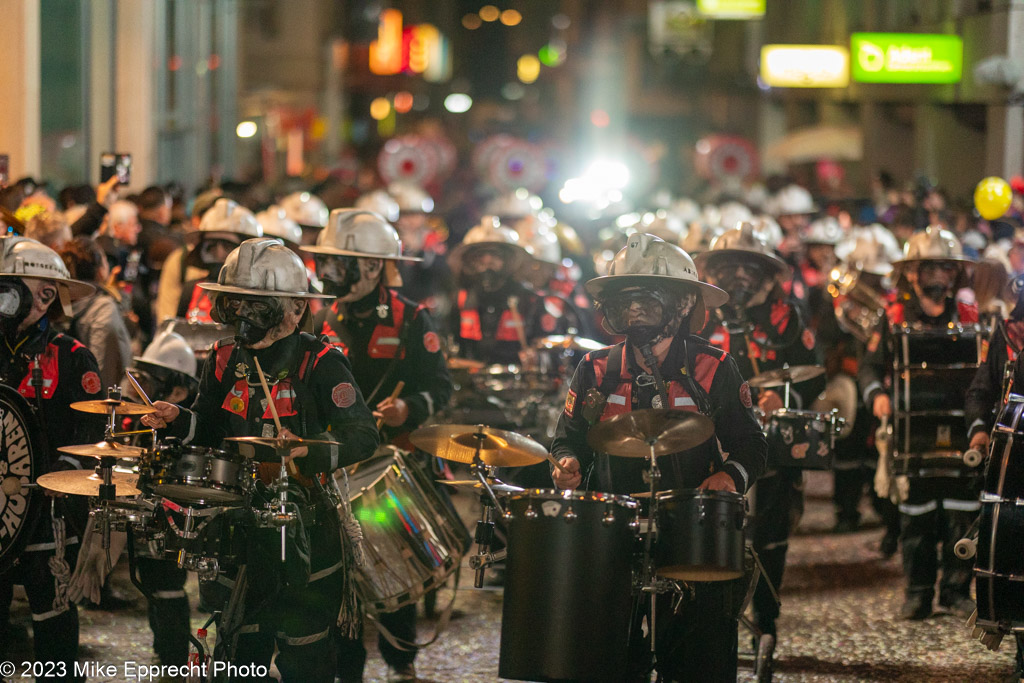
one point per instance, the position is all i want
(384, 341)
(469, 323)
(780, 315)
(222, 352)
(720, 338)
(199, 306)
(51, 373)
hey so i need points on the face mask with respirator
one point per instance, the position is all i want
(645, 315)
(253, 317)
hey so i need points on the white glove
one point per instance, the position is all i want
(93, 566)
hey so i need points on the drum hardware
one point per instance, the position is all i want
(498, 486)
(196, 519)
(967, 547)
(785, 377)
(973, 457)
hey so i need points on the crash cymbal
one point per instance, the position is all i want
(779, 377)
(627, 435)
(498, 448)
(568, 341)
(103, 449)
(85, 483)
(465, 364)
(104, 406)
(496, 486)
(247, 444)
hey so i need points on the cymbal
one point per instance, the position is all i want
(627, 435)
(465, 364)
(103, 449)
(498, 448)
(779, 377)
(85, 483)
(276, 443)
(560, 341)
(104, 406)
(496, 486)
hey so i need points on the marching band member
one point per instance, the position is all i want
(262, 292)
(936, 507)
(387, 338)
(35, 290)
(763, 330)
(653, 296)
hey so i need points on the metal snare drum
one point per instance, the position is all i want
(203, 539)
(568, 579)
(412, 540)
(194, 475)
(700, 535)
(802, 438)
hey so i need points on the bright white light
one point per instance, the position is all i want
(246, 129)
(600, 184)
(458, 103)
(611, 174)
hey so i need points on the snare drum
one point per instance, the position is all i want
(568, 582)
(700, 535)
(412, 540)
(204, 539)
(194, 475)
(802, 438)
(999, 567)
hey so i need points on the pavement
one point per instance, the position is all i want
(838, 619)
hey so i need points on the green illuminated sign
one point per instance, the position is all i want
(732, 9)
(906, 58)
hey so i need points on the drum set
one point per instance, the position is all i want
(581, 563)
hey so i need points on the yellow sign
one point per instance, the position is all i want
(732, 9)
(805, 66)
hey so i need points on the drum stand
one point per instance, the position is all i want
(485, 525)
(278, 514)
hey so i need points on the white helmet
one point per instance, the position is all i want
(411, 198)
(791, 200)
(767, 229)
(685, 210)
(380, 202)
(22, 257)
(742, 241)
(263, 267)
(514, 205)
(733, 213)
(647, 260)
(170, 350)
(543, 246)
(698, 237)
(353, 232)
(825, 230)
(226, 216)
(862, 251)
(489, 233)
(275, 223)
(306, 209)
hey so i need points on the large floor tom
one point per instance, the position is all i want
(568, 586)
(412, 540)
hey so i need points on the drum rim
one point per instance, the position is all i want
(734, 496)
(576, 495)
(809, 414)
(391, 454)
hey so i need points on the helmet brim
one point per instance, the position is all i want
(705, 257)
(517, 254)
(332, 251)
(139, 361)
(230, 289)
(77, 289)
(712, 296)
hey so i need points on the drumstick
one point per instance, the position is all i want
(138, 388)
(554, 462)
(393, 396)
(273, 409)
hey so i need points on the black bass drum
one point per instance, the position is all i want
(21, 461)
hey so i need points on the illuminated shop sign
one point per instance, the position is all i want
(731, 9)
(805, 66)
(906, 57)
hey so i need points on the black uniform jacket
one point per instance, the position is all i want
(712, 383)
(371, 344)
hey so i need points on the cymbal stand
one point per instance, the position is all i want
(281, 516)
(485, 526)
(785, 394)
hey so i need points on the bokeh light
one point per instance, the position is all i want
(246, 129)
(489, 13)
(511, 17)
(380, 108)
(471, 21)
(403, 101)
(458, 103)
(528, 68)
(600, 118)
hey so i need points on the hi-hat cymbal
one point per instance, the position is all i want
(104, 406)
(781, 376)
(85, 483)
(628, 435)
(568, 341)
(473, 484)
(465, 364)
(498, 448)
(273, 442)
(103, 449)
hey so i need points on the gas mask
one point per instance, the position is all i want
(745, 281)
(935, 281)
(646, 315)
(251, 316)
(486, 269)
(15, 304)
(339, 274)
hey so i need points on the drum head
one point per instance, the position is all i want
(20, 464)
(203, 495)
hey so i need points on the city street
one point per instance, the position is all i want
(837, 621)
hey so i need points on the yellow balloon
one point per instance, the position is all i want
(992, 197)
